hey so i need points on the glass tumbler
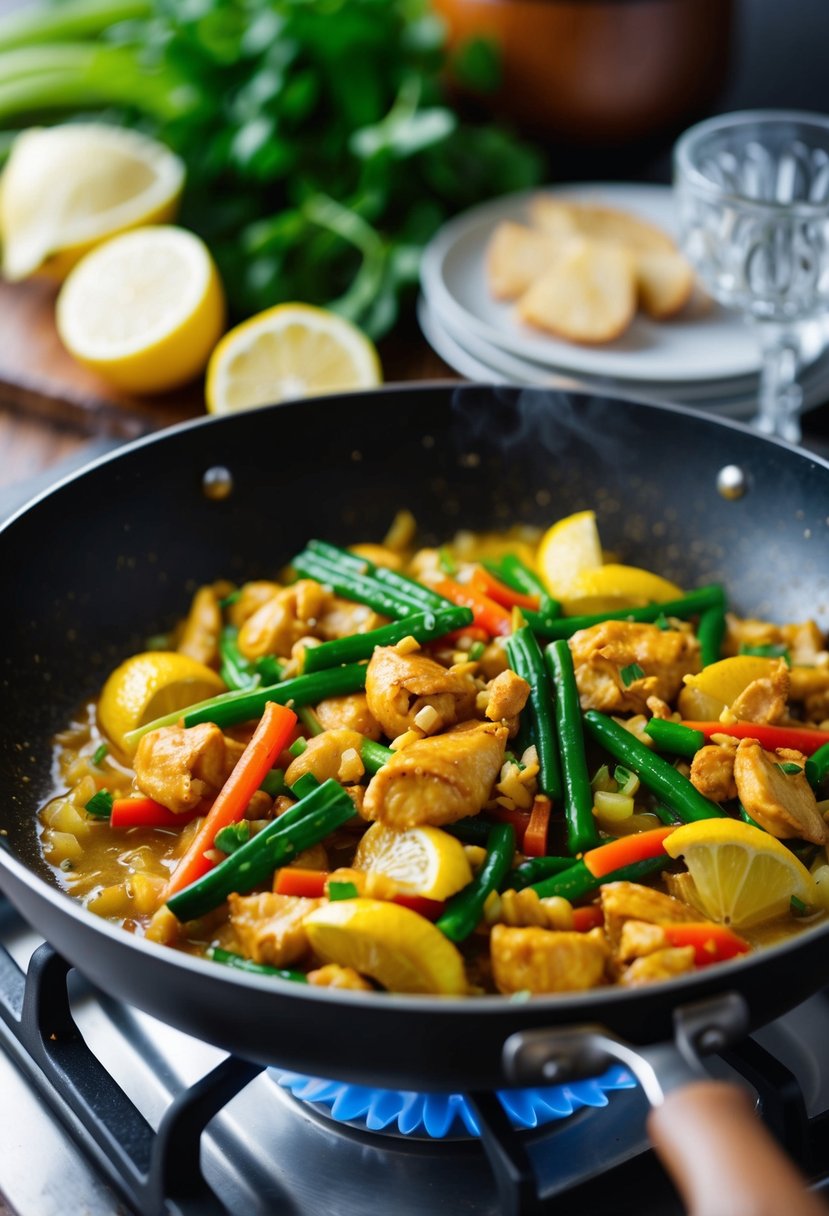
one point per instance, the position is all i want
(752, 194)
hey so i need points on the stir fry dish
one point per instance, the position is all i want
(508, 765)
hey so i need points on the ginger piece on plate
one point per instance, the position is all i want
(606, 224)
(515, 256)
(665, 282)
(588, 296)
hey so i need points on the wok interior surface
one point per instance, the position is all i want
(113, 555)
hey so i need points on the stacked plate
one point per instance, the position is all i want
(706, 357)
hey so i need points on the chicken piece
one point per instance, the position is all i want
(659, 708)
(623, 901)
(323, 755)
(683, 888)
(332, 975)
(508, 694)
(270, 928)
(601, 652)
(782, 803)
(282, 620)
(805, 642)
(810, 687)
(524, 908)
(494, 660)
(398, 686)
(712, 772)
(764, 700)
(438, 779)
(547, 960)
(252, 596)
(341, 618)
(380, 555)
(350, 711)
(199, 638)
(179, 766)
(661, 965)
(638, 939)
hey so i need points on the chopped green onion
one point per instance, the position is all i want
(630, 673)
(100, 805)
(788, 767)
(446, 562)
(627, 781)
(274, 783)
(230, 598)
(662, 622)
(602, 780)
(476, 651)
(232, 836)
(342, 890)
(298, 747)
(309, 720)
(304, 785)
(798, 908)
(613, 807)
(99, 753)
(769, 650)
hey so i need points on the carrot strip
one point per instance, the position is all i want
(639, 846)
(490, 586)
(147, 813)
(712, 943)
(800, 738)
(590, 917)
(293, 880)
(486, 614)
(256, 760)
(535, 837)
(519, 819)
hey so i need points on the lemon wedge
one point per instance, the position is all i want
(708, 693)
(423, 861)
(289, 351)
(741, 874)
(391, 944)
(148, 686)
(627, 583)
(144, 309)
(569, 549)
(67, 188)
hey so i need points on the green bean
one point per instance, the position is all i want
(236, 671)
(374, 755)
(351, 585)
(674, 737)
(240, 963)
(305, 784)
(817, 766)
(517, 575)
(710, 632)
(657, 774)
(232, 836)
(407, 588)
(535, 870)
(274, 783)
(309, 720)
(527, 661)
(464, 910)
(470, 831)
(303, 825)
(577, 881)
(582, 832)
(423, 626)
(691, 604)
(743, 814)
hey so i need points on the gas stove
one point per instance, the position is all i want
(105, 1110)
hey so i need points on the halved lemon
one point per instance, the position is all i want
(567, 551)
(708, 693)
(742, 875)
(148, 686)
(389, 943)
(289, 351)
(144, 309)
(423, 861)
(67, 188)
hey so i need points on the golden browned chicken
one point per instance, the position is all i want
(638, 938)
(332, 975)
(439, 779)
(623, 901)
(712, 772)
(603, 651)
(252, 596)
(342, 617)
(764, 700)
(783, 803)
(507, 695)
(282, 620)
(323, 756)
(179, 766)
(270, 928)
(810, 686)
(547, 960)
(351, 711)
(399, 686)
(200, 636)
(661, 965)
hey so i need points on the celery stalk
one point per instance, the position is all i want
(67, 21)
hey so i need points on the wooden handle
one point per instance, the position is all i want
(722, 1159)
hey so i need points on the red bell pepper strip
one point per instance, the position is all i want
(490, 586)
(798, 737)
(519, 819)
(535, 836)
(431, 909)
(147, 813)
(486, 614)
(313, 884)
(256, 761)
(638, 846)
(712, 943)
(590, 917)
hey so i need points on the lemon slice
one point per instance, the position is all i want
(742, 875)
(567, 550)
(148, 686)
(67, 188)
(289, 351)
(423, 861)
(144, 309)
(709, 692)
(627, 583)
(391, 944)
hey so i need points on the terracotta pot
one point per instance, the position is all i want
(600, 71)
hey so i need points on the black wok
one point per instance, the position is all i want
(111, 555)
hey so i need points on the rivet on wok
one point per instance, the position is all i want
(731, 482)
(217, 483)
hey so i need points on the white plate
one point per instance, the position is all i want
(715, 346)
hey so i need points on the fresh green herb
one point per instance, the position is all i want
(630, 673)
(476, 651)
(789, 768)
(769, 650)
(798, 908)
(100, 805)
(342, 890)
(99, 753)
(232, 836)
(662, 622)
